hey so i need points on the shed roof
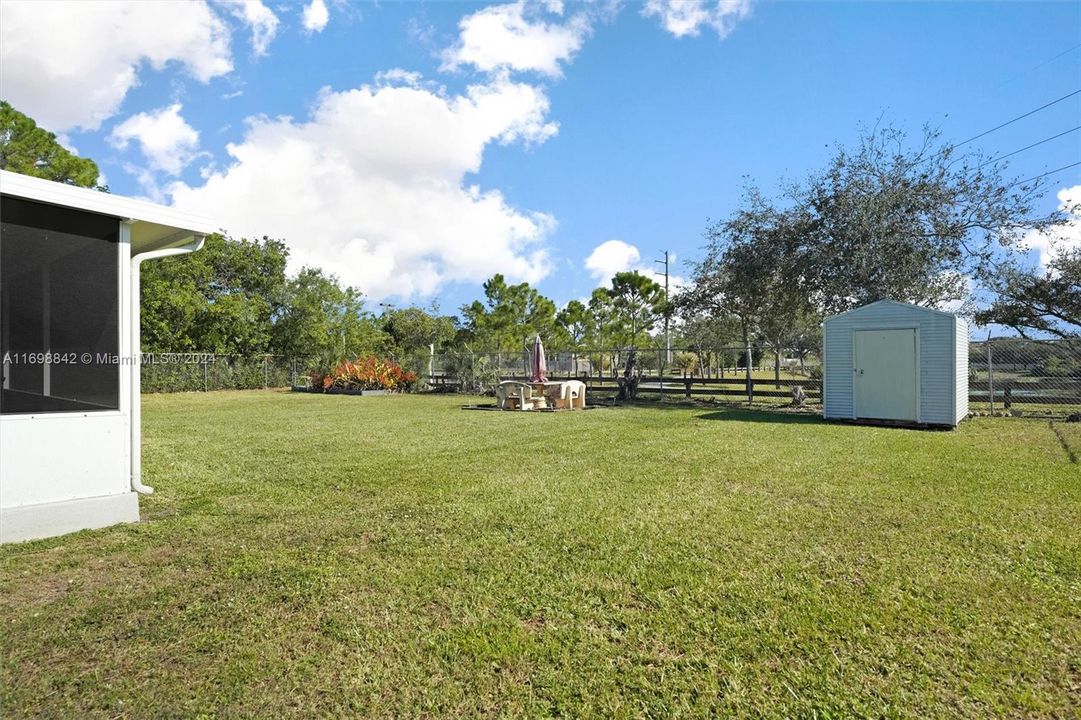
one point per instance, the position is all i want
(153, 226)
(891, 302)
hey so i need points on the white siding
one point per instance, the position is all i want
(936, 367)
(961, 374)
(62, 456)
(940, 364)
(838, 401)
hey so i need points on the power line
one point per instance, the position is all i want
(1037, 67)
(1051, 60)
(1019, 117)
(1049, 172)
(1028, 147)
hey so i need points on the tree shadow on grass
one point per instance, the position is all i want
(734, 412)
(1071, 454)
(763, 415)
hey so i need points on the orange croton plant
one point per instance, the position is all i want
(366, 373)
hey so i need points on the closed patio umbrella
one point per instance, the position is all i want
(539, 365)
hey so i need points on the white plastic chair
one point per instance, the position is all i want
(573, 394)
(521, 391)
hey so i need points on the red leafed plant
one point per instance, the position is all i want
(366, 373)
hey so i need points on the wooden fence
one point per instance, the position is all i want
(733, 388)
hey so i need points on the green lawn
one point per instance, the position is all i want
(397, 556)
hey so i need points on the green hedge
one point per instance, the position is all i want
(220, 373)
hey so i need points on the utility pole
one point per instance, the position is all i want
(667, 337)
(387, 307)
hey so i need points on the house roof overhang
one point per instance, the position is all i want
(153, 226)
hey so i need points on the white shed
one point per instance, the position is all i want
(894, 362)
(69, 341)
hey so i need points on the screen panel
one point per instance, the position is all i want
(59, 309)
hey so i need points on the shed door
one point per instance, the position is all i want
(884, 374)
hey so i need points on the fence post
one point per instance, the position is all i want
(431, 363)
(660, 370)
(204, 375)
(990, 376)
(750, 376)
(265, 379)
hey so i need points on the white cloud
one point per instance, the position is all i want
(687, 17)
(371, 186)
(166, 140)
(1065, 237)
(148, 181)
(421, 31)
(70, 64)
(261, 21)
(398, 76)
(512, 37)
(615, 256)
(611, 257)
(315, 16)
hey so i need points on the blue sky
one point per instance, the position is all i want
(616, 126)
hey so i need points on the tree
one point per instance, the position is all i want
(754, 272)
(511, 317)
(907, 221)
(727, 283)
(412, 330)
(889, 219)
(577, 323)
(28, 149)
(708, 335)
(222, 299)
(1041, 301)
(1034, 302)
(637, 303)
(603, 331)
(605, 323)
(323, 320)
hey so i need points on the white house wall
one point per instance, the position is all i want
(62, 456)
(67, 471)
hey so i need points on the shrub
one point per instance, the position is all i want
(473, 374)
(366, 373)
(687, 362)
(1057, 366)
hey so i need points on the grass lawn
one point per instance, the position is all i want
(396, 556)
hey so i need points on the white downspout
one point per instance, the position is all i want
(137, 357)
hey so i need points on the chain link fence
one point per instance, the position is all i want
(202, 372)
(1016, 376)
(1007, 376)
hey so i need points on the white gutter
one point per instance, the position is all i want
(136, 353)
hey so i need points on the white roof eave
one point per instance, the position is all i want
(154, 226)
(890, 302)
